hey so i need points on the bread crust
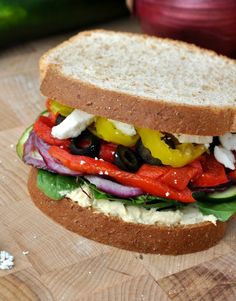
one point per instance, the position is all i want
(157, 115)
(139, 111)
(115, 232)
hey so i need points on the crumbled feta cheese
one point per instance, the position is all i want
(6, 260)
(228, 141)
(183, 138)
(125, 128)
(224, 156)
(72, 125)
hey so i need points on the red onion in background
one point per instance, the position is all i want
(207, 23)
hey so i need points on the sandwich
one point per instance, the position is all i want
(136, 146)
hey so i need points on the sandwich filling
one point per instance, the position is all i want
(137, 174)
(137, 214)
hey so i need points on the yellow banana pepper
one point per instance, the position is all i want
(183, 153)
(56, 107)
(105, 130)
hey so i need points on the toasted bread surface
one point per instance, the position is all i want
(145, 81)
(158, 239)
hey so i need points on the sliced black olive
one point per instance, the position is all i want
(127, 159)
(216, 141)
(170, 140)
(59, 119)
(86, 144)
(146, 155)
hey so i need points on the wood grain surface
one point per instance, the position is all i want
(60, 265)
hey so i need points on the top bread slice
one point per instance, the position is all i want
(146, 81)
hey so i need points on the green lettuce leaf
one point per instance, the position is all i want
(222, 211)
(54, 185)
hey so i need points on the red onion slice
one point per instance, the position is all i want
(31, 155)
(52, 164)
(114, 188)
(35, 145)
(219, 188)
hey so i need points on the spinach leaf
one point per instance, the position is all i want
(222, 211)
(150, 201)
(54, 185)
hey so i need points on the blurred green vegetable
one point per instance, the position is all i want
(25, 19)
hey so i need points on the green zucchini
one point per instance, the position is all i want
(227, 195)
(24, 137)
(217, 197)
(20, 145)
(26, 19)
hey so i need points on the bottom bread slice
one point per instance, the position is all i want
(158, 239)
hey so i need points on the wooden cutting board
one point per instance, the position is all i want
(52, 263)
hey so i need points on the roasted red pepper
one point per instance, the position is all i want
(92, 166)
(213, 173)
(177, 178)
(43, 127)
(107, 151)
(151, 171)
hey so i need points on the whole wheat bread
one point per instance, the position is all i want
(146, 81)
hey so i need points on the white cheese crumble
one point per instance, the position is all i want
(183, 138)
(224, 152)
(73, 125)
(224, 156)
(228, 141)
(6, 260)
(133, 214)
(125, 128)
